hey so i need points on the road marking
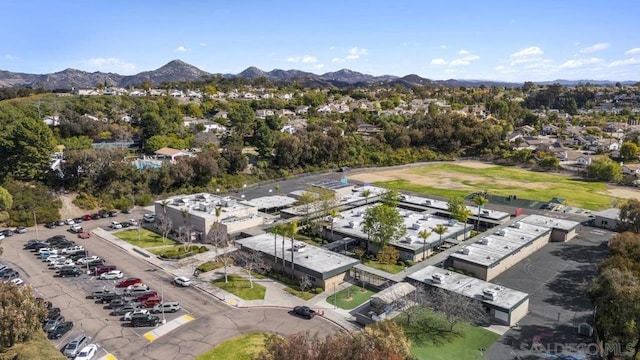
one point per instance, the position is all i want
(108, 357)
(168, 327)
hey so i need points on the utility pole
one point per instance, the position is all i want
(35, 223)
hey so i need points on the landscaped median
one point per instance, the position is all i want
(143, 238)
(240, 287)
(350, 298)
(245, 347)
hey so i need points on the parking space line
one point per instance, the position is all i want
(108, 357)
(168, 327)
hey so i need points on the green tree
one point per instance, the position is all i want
(155, 142)
(459, 211)
(388, 255)
(629, 150)
(480, 201)
(6, 200)
(264, 140)
(366, 193)
(424, 235)
(383, 224)
(293, 230)
(391, 198)
(440, 229)
(20, 314)
(629, 219)
(241, 116)
(605, 169)
(26, 149)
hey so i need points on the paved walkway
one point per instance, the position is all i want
(275, 296)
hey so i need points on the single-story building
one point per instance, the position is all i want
(505, 306)
(607, 219)
(269, 204)
(561, 230)
(324, 268)
(171, 154)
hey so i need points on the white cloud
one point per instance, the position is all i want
(438, 61)
(504, 69)
(464, 61)
(450, 71)
(594, 48)
(318, 66)
(182, 49)
(353, 54)
(630, 61)
(204, 44)
(633, 51)
(464, 52)
(109, 65)
(578, 63)
(527, 52)
(307, 59)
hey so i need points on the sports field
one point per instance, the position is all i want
(463, 178)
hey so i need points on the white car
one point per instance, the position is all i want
(17, 281)
(133, 222)
(182, 281)
(75, 228)
(88, 259)
(69, 222)
(128, 316)
(54, 258)
(149, 218)
(62, 263)
(116, 225)
(87, 352)
(112, 275)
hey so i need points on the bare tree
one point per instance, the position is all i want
(454, 307)
(252, 261)
(305, 283)
(165, 225)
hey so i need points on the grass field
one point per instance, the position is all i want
(245, 347)
(146, 239)
(447, 180)
(390, 268)
(240, 287)
(434, 345)
(350, 298)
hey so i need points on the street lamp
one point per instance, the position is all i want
(162, 300)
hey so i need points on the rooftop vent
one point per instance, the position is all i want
(516, 225)
(465, 251)
(426, 217)
(484, 241)
(353, 224)
(486, 212)
(437, 278)
(501, 232)
(452, 222)
(490, 294)
(427, 202)
(415, 226)
(406, 240)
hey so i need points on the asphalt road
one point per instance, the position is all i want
(214, 321)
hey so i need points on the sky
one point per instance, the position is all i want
(527, 40)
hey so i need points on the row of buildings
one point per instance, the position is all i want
(469, 267)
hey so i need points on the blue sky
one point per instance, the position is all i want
(497, 40)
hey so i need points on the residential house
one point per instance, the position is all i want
(176, 93)
(284, 113)
(549, 129)
(171, 154)
(86, 92)
(583, 161)
(367, 129)
(52, 120)
(301, 110)
(220, 115)
(249, 96)
(263, 113)
(137, 93)
(527, 130)
(631, 169)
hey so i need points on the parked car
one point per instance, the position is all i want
(17, 282)
(304, 311)
(7, 232)
(61, 223)
(95, 263)
(77, 220)
(51, 225)
(75, 345)
(164, 307)
(126, 308)
(70, 271)
(125, 224)
(72, 249)
(116, 225)
(118, 302)
(182, 281)
(52, 313)
(129, 282)
(69, 222)
(101, 269)
(75, 228)
(152, 301)
(135, 313)
(55, 238)
(60, 329)
(150, 320)
(108, 298)
(87, 353)
(133, 222)
(111, 275)
(99, 292)
(146, 296)
(88, 259)
(149, 218)
(113, 213)
(63, 263)
(87, 218)
(84, 235)
(51, 324)
(96, 216)
(20, 230)
(9, 274)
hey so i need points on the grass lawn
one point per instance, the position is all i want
(506, 180)
(146, 239)
(391, 269)
(39, 347)
(240, 287)
(354, 299)
(437, 345)
(304, 295)
(245, 347)
(316, 241)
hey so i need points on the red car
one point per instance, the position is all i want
(145, 297)
(128, 282)
(87, 218)
(152, 301)
(84, 235)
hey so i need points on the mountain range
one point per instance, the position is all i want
(177, 71)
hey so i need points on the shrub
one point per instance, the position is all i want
(203, 249)
(85, 201)
(318, 290)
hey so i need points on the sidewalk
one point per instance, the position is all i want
(275, 296)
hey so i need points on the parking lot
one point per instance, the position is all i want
(212, 321)
(555, 278)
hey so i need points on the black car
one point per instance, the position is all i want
(8, 232)
(52, 313)
(56, 238)
(149, 320)
(38, 246)
(9, 274)
(51, 225)
(46, 303)
(113, 213)
(70, 271)
(125, 224)
(31, 244)
(95, 263)
(77, 220)
(304, 311)
(96, 216)
(108, 298)
(60, 329)
(126, 211)
(51, 324)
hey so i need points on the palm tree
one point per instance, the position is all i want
(440, 229)
(366, 193)
(293, 230)
(276, 231)
(424, 234)
(480, 201)
(463, 217)
(277, 188)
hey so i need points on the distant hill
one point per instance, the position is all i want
(177, 71)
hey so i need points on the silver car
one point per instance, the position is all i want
(73, 348)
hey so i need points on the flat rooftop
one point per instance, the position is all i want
(612, 213)
(321, 261)
(470, 287)
(444, 206)
(351, 222)
(270, 202)
(550, 222)
(205, 204)
(501, 243)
